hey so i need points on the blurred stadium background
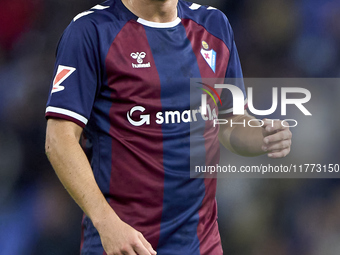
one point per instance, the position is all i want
(275, 38)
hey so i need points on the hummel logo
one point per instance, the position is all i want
(140, 57)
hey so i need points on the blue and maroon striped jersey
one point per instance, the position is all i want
(127, 82)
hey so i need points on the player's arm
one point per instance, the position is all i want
(273, 138)
(74, 171)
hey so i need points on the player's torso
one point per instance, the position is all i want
(147, 117)
(145, 83)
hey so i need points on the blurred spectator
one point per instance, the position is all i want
(16, 17)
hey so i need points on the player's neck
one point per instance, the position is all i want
(153, 10)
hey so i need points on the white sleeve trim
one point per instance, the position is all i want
(67, 113)
(100, 7)
(195, 6)
(230, 110)
(82, 14)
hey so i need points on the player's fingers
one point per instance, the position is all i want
(140, 249)
(272, 126)
(146, 244)
(128, 250)
(278, 146)
(279, 154)
(279, 136)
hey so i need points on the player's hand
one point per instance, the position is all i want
(118, 238)
(277, 138)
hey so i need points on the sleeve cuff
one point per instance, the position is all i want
(55, 112)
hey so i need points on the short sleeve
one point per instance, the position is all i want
(76, 74)
(233, 76)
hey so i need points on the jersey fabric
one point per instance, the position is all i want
(127, 82)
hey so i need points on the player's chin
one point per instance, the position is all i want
(275, 154)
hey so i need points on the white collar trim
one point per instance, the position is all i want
(158, 24)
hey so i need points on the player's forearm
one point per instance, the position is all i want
(74, 171)
(243, 140)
